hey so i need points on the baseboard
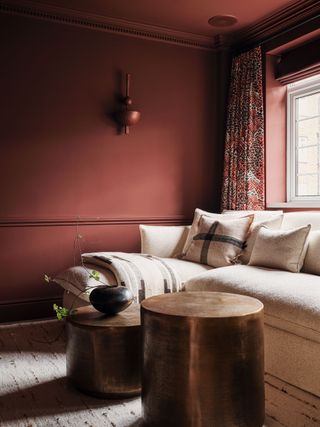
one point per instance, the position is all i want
(28, 310)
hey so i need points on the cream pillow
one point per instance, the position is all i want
(280, 249)
(259, 217)
(193, 230)
(274, 224)
(218, 242)
(312, 260)
(163, 241)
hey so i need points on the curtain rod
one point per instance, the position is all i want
(300, 24)
(238, 49)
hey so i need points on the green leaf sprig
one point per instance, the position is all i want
(94, 275)
(61, 312)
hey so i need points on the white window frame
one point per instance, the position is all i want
(295, 91)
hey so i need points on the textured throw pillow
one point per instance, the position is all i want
(274, 224)
(259, 217)
(280, 249)
(193, 230)
(312, 260)
(218, 242)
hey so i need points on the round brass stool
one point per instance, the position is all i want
(104, 354)
(203, 360)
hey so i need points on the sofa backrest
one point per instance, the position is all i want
(163, 241)
(299, 219)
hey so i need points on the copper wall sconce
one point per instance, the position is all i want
(128, 117)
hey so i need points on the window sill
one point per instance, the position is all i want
(288, 205)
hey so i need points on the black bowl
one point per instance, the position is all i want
(111, 300)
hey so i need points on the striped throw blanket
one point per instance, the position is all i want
(145, 275)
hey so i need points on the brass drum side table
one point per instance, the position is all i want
(104, 353)
(203, 360)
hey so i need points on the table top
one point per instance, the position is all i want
(203, 305)
(90, 317)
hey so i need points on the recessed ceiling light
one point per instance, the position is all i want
(223, 20)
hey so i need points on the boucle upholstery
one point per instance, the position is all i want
(292, 300)
(292, 317)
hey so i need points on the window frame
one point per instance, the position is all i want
(296, 91)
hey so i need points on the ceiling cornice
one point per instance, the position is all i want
(280, 21)
(107, 24)
(274, 24)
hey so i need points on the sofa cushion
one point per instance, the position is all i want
(272, 223)
(259, 217)
(282, 249)
(311, 262)
(291, 300)
(218, 243)
(198, 213)
(299, 219)
(163, 241)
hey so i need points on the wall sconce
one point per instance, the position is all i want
(128, 117)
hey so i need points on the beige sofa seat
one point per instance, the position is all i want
(292, 317)
(291, 300)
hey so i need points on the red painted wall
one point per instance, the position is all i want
(62, 159)
(275, 122)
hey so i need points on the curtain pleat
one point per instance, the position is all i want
(243, 179)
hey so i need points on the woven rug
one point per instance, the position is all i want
(34, 391)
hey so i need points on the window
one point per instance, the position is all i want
(303, 144)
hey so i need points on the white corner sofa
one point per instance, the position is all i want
(292, 316)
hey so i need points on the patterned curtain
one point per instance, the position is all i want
(243, 178)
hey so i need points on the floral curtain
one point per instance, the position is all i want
(243, 178)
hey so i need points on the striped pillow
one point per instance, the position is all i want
(218, 242)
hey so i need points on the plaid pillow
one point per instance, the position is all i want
(218, 242)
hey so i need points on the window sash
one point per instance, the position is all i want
(294, 92)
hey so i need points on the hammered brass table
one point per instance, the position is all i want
(104, 354)
(203, 360)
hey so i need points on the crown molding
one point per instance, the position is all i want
(269, 27)
(91, 21)
(280, 21)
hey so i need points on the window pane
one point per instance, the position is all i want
(307, 142)
(307, 160)
(308, 106)
(307, 185)
(308, 132)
